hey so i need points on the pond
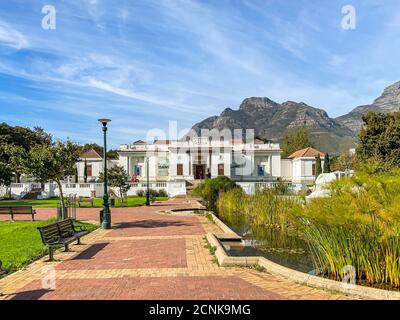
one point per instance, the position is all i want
(190, 211)
(275, 245)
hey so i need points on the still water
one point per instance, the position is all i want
(275, 245)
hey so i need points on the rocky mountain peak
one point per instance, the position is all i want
(389, 101)
(271, 120)
(257, 103)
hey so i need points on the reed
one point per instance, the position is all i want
(358, 225)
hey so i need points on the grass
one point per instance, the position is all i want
(20, 242)
(131, 201)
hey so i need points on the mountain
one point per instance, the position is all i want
(389, 101)
(271, 120)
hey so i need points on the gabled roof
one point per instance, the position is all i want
(91, 154)
(162, 141)
(307, 153)
(139, 142)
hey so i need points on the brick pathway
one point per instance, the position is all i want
(147, 255)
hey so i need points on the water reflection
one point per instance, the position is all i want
(275, 244)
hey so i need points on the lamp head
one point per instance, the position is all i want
(104, 121)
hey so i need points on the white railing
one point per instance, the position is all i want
(172, 188)
(251, 187)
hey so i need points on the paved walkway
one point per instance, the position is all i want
(147, 255)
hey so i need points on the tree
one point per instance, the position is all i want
(318, 166)
(296, 140)
(6, 172)
(379, 140)
(19, 137)
(346, 161)
(76, 174)
(50, 163)
(117, 178)
(85, 171)
(327, 164)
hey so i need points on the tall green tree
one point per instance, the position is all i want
(17, 137)
(327, 163)
(6, 171)
(118, 178)
(318, 166)
(379, 140)
(50, 163)
(85, 171)
(296, 140)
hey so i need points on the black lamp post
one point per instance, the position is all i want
(148, 183)
(106, 223)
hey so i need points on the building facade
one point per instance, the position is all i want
(199, 157)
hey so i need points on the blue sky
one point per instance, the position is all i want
(144, 63)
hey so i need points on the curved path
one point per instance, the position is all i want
(147, 255)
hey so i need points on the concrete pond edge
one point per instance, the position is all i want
(352, 290)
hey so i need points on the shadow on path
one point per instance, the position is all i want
(90, 252)
(31, 295)
(154, 224)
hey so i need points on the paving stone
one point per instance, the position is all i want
(148, 254)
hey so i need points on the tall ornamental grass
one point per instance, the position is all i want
(358, 226)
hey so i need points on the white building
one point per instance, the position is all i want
(172, 164)
(300, 166)
(200, 157)
(93, 162)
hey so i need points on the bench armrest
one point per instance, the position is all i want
(55, 240)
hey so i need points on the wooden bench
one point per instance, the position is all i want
(82, 200)
(2, 271)
(15, 210)
(59, 234)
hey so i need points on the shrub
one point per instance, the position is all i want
(141, 193)
(211, 188)
(162, 193)
(231, 206)
(153, 193)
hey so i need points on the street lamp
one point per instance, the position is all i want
(148, 183)
(106, 223)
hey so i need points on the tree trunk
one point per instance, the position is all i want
(62, 199)
(121, 195)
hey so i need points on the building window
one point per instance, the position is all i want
(89, 170)
(163, 167)
(260, 171)
(137, 171)
(313, 169)
(221, 169)
(179, 169)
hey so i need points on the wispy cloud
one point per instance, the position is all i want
(10, 37)
(143, 63)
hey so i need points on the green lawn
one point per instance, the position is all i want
(131, 201)
(20, 242)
